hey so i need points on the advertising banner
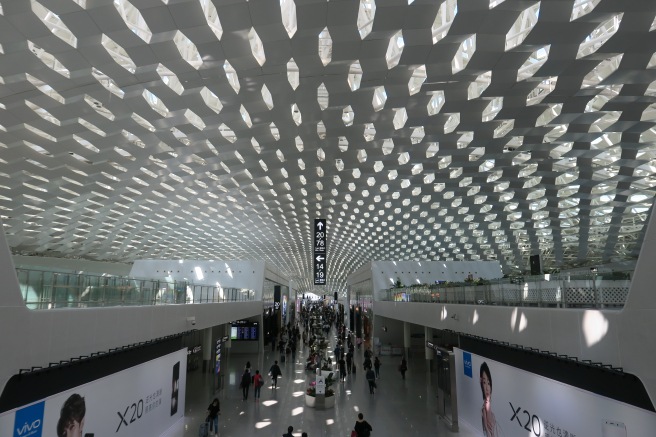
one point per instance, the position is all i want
(144, 400)
(502, 401)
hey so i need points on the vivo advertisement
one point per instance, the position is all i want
(144, 400)
(500, 400)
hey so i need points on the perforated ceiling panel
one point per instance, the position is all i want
(441, 130)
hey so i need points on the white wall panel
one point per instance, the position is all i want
(385, 273)
(36, 338)
(72, 265)
(596, 335)
(226, 274)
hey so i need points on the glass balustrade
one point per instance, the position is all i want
(580, 290)
(49, 290)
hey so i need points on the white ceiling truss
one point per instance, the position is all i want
(421, 130)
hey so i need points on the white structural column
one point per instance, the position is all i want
(260, 341)
(428, 334)
(208, 348)
(406, 338)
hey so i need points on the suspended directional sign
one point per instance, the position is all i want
(320, 250)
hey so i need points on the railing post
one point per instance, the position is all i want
(598, 303)
(27, 283)
(563, 296)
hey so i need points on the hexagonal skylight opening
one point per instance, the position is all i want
(325, 47)
(54, 23)
(379, 99)
(443, 19)
(288, 12)
(366, 14)
(292, 73)
(522, 26)
(599, 36)
(463, 55)
(582, 7)
(257, 47)
(118, 53)
(231, 75)
(212, 17)
(133, 19)
(394, 50)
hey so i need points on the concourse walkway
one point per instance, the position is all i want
(399, 407)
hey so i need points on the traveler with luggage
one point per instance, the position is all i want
(213, 412)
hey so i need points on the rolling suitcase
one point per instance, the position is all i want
(204, 429)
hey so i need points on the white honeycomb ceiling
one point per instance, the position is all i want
(421, 130)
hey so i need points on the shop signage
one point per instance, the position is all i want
(431, 345)
(217, 354)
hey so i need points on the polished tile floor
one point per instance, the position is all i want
(399, 407)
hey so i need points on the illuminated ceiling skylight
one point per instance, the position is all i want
(224, 131)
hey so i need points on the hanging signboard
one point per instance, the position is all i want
(320, 251)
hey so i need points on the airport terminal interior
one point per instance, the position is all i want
(460, 190)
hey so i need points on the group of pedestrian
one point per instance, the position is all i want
(286, 344)
(290, 429)
(362, 428)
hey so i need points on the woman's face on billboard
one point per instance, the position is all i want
(76, 429)
(487, 387)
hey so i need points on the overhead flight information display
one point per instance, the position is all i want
(244, 330)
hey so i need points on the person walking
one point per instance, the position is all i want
(290, 429)
(349, 361)
(275, 373)
(371, 379)
(292, 345)
(213, 415)
(245, 383)
(377, 367)
(342, 369)
(281, 346)
(366, 365)
(258, 382)
(403, 367)
(362, 427)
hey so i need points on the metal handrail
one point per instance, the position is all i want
(50, 290)
(565, 290)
